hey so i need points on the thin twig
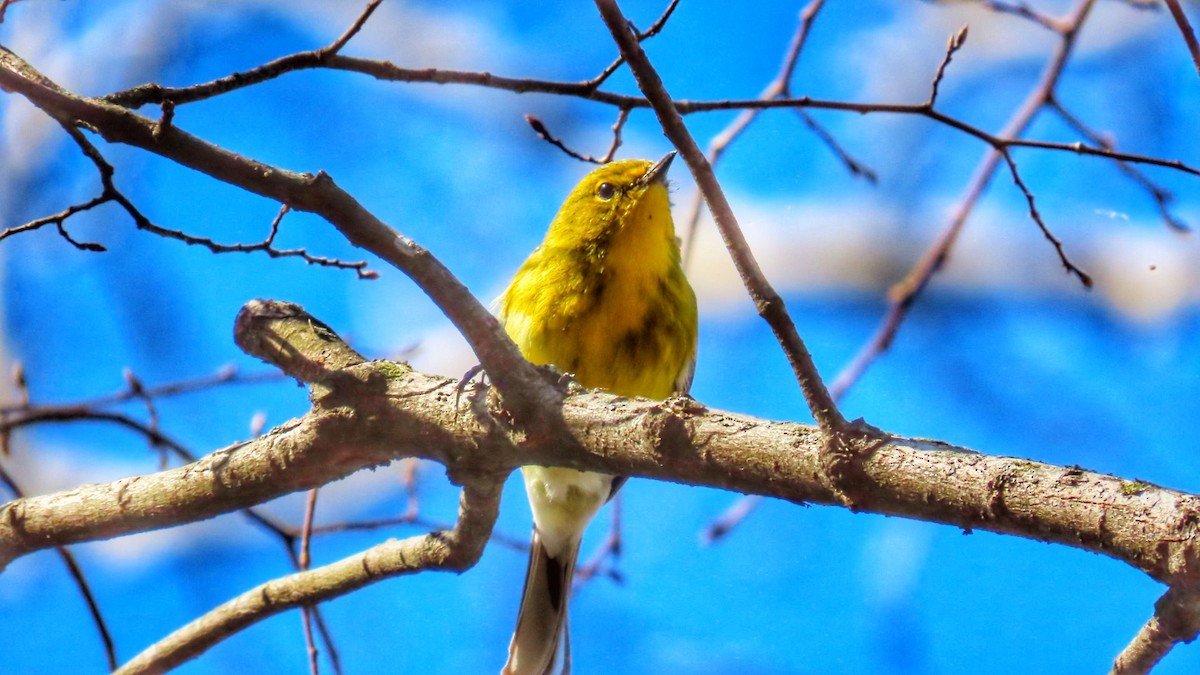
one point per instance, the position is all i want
(654, 29)
(779, 86)
(283, 210)
(1071, 267)
(81, 582)
(336, 45)
(21, 383)
(1024, 11)
(954, 44)
(609, 549)
(1161, 196)
(331, 651)
(57, 220)
(904, 293)
(540, 129)
(768, 302)
(224, 376)
(730, 518)
(499, 538)
(307, 609)
(110, 193)
(154, 93)
(137, 390)
(451, 550)
(854, 166)
(1185, 29)
(622, 117)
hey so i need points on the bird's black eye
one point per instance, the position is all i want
(606, 191)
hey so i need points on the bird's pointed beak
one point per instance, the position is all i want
(658, 172)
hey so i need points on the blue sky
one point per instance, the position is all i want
(1005, 354)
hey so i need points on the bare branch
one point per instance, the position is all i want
(111, 193)
(283, 210)
(1024, 11)
(780, 86)
(368, 413)
(1176, 619)
(905, 292)
(228, 375)
(923, 110)
(58, 220)
(77, 576)
(540, 129)
(306, 610)
(1071, 267)
(608, 549)
(1185, 29)
(387, 71)
(361, 21)
(153, 93)
(768, 303)
(525, 390)
(617, 126)
(733, 516)
(85, 589)
(954, 44)
(453, 550)
(1161, 196)
(855, 167)
(85, 413)
(654, 29)
(335, 658)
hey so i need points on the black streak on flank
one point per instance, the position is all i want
(643, 344)
(597, 291)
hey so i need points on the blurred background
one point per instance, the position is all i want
(1005, 353)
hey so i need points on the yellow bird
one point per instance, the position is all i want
(604, 298)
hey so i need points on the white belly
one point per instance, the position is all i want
(563, 501)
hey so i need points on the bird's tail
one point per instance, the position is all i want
(540, 644)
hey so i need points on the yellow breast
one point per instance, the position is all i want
(615, 310)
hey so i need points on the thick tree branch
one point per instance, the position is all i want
(451, 550)
(361, 408)
(524, 389)
(368, 413)
(1176, 619)
(81, 582)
